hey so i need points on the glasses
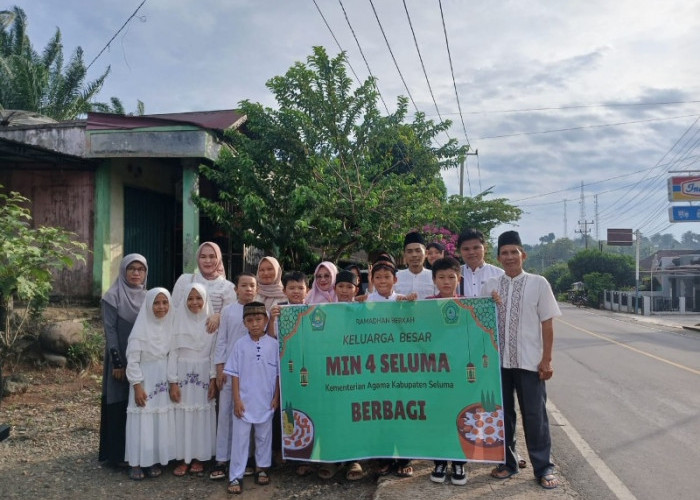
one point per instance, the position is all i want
(139, 270)
(323, 276)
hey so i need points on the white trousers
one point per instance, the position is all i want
(240, 439)
(223, 425)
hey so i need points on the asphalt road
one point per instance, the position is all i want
(627, 396)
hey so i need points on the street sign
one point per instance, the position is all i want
(684, 188)
(620, 237)
(684, 213)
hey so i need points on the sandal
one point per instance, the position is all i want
(249, 471)
(261, 478)
(154, 471)
(197, 468)
(406, 471)
(503, 472)
(355, 472)
(136, 473)
(304, 470)
(327, 471)
(385, 469)
(549, 481)
(218, 471)
(235, 487)
(181, 469)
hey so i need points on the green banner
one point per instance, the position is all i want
(391, 379)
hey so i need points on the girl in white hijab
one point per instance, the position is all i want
(192, 378)
(150, 419)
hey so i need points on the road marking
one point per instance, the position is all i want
(604, 472)
(639, 351)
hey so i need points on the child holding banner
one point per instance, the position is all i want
(383, 278)
(446, 275)
(231, 329)
(253, 368)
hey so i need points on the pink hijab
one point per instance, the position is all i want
(219, 270)
(318, 296)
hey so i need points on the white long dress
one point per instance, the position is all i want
(150, 429)
(191, 366)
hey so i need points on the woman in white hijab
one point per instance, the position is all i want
(192, 378)
(120, 305)
(210, 273)
(150, 418)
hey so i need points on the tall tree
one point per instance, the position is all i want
(42, 82)
(325, 173)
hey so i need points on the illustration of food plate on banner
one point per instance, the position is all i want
(390, 379)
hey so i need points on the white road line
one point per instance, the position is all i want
(603, 471)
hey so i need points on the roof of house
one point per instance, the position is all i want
(212, 120)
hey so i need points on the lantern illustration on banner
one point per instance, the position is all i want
(303, 374)
(471, 369)
(484, 358)
(291, 365)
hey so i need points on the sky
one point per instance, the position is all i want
(553, 95)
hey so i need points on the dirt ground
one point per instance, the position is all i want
(52, 452)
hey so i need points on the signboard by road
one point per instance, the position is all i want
(684, 189)
(620, 237)
(684, 214)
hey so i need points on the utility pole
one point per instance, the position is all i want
(584, 232)
(566, 229)
(461, 174)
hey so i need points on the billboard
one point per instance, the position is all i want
(684, 214)
(685, 188)
(620, 237)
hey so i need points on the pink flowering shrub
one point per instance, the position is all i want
(445, 237)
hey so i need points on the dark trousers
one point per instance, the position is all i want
(532, 398)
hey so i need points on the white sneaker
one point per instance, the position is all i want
(439, 473)
(459, 475)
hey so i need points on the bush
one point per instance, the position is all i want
(27, 258)
(89, 352)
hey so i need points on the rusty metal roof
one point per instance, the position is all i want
(212, 120)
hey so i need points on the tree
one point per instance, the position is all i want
(41, 82)
(620, 267)
(325, 174)
(559, 277)
(27, 258)
(595, 284)
(549, 238)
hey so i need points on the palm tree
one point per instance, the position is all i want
(40, 82)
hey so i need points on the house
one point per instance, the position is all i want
(122, 183)
(675, 274)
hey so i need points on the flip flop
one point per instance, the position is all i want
(235, 487)
(355, 472)
(154, 471)
(548, 481)
(218, 471)
(327, 471)
(261, 478)
(405, 471)
(197, 468)
(181, 469)
(503, 472)
(304, 470)
(136, 474)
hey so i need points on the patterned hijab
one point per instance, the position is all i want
(189, 329)
(151, 334)
(274, 292)
(126, 298)
(318, 296)
(219, 270)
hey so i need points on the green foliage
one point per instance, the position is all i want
(325, 174)
(32, 81)
(27, 258)
(90, 351)
(620, 267)
(559, 277)
(595, 284)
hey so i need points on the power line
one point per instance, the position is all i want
(115, 35)
(578, 106)
(347, 19)
(347, 60)
(583, 127)
(420, 56)
(388, 46)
